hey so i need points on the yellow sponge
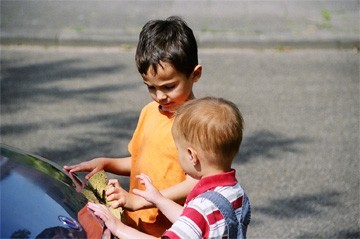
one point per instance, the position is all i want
(95, 190)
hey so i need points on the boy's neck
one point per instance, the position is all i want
(214, 171)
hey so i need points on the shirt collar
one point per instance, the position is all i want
(211, 182)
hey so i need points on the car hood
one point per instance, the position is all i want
(38, 200)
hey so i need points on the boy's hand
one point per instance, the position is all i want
(93, 166)
(117, 228)
(79, 184)
(111, 222)
(116, 195)
(119, 197)
(150, 193)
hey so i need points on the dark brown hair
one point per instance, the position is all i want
(170, 41)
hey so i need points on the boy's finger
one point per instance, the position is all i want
(66, 168)
(137, 192)
(116, 204)
(110, 191)
(91, 206)
(115, 183)
(95, 206)
(89, 175)
(145, 177)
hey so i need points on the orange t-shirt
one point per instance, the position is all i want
(153, 153)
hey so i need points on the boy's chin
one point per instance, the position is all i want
(167, 109)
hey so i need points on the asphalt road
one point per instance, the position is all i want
(299, 160)
(244, 24)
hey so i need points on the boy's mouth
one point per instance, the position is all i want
(166, 106)
(165, 103)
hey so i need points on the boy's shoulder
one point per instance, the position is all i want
(232, 193)
(150, 107)
(152, 110)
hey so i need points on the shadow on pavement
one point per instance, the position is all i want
(119, 126)
(36, 83)
(268, 145)
(300, 206)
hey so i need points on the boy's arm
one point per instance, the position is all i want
(119, 166)
(169, 208)
(177, 192)
(180, 190)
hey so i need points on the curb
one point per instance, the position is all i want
(261, 42)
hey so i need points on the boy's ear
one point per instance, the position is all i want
(196, 74)
(193, 156)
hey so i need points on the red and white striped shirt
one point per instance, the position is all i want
(201, 218)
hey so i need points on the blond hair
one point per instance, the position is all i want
(215, 125)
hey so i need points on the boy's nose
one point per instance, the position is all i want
(160, 95)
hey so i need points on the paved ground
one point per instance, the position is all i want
(300, 157)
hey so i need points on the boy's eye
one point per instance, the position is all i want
(165, 87)
(169, 87)
(150, 87)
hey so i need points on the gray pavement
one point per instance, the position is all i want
(252, 23)
(299, 160)
(77, 94)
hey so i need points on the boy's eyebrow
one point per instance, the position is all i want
(170, 82)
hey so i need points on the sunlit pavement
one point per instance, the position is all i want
(299, 160)
(70, 92)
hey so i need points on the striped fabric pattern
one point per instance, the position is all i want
(202, 219)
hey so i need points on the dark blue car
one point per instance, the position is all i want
(39, 200)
